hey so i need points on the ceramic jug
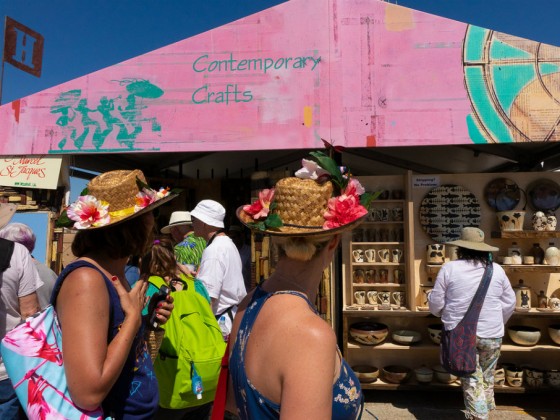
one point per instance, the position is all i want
(551, 222)
(552, 255)
(539, 221)
(522, 296)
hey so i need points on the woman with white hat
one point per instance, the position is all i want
(105, 354)
(284, 358)
(454, 289)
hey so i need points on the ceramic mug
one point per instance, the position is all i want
(397, 214)
(398, 298)
(358, 255)
(372, 297)
(528, 259)
(384, 297)
(383, 275)
(358, 276)
(370, 276)
(398, 276)
(382, 214)
(435, 253)
(397, 255)
(384, 255)
(360, 297)
(508, 260)
(370, 255)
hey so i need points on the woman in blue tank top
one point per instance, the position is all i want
(284, 358)
(105, 353)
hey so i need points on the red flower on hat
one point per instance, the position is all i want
(345, 208)
(261, 207)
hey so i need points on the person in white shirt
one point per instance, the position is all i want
(220, 267)
(454, 289)
(18, 300)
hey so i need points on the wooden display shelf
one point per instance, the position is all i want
(382, 222)
(376, 243)
(425, 344)
(391, 264)
(372, 312)
(375, 285)
(507, 347)
(413, 384)
(526, 234)
(510, 268)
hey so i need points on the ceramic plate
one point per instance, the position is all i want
(544, 195)
(545, 309)
(447, 209)
(502, 194)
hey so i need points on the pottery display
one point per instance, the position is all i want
(502, 194)
(366, 374)
(444, 376)
(539, 221)
(434, 332)
(552, 255)
(406, 337)
(552, 378)
(514, 375)
(424, 374)
(554, 303)
(511, 220)
(369, 333)
(396, 374)
(524, 335)
(522, 296)
(534, 378)
(544, 195)
(554, 333)
(435, 253)
(551, 222)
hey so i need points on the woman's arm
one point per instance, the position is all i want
(93, 366)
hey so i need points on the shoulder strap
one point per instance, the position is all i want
(478, 299)
(6, 250)
(156, 281)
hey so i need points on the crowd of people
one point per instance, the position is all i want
(284, 358)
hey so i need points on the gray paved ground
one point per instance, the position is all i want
(448, 405)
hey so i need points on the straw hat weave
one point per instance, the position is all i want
(301, 203)
(116, 187)
(473, 238)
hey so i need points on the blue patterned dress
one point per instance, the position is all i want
(251, 404)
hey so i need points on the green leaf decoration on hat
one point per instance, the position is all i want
(329, 165)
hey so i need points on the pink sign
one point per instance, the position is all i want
(358, 73)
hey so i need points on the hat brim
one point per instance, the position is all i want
(296, 231)
(476, 246)
(7, 211)
(145, 210)
(167, 229)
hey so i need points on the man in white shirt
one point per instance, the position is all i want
(220, 267)
(18, 297)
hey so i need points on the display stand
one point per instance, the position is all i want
(419, 276)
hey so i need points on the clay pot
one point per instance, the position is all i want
(366, 374)
(444, 376)
(369, 333)
(424, 374)
(406, 337)
(511, 220)
(524, 335)
(395, 374)
(522, 296)
(554, 332)
(434, 331)
(539, 221)
(552, 255)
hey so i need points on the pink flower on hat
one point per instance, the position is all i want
(87, 211)
(147, 196)
(345, 208)
(261, 207)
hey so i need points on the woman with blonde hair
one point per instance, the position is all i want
(284, 358)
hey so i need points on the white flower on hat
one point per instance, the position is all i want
(88, 211)
(311, 170)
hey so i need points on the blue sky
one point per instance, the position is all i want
(84, 36)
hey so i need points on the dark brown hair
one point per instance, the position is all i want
(470, 254)
(160, 259)
(119, 241)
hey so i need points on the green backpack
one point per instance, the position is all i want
(192, 338)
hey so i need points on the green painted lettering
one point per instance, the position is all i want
(195, 64)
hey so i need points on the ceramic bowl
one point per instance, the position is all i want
(444, 376)
(424, 374)
(396, 374)
(369, 333)
(406, 336)
(554, 332)
(524, 335)
(366, 374)
(434, 331)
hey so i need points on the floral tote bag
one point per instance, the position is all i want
(33, 358)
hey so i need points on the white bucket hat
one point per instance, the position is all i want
(473, 238)
(178, 218)
(7, 211)
(210, 212)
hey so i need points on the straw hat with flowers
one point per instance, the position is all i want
(112, 198)
(320, 199)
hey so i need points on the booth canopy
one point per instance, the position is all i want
(357, 73)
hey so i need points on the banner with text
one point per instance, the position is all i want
(30, 171)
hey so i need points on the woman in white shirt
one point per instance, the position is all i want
(454, 289)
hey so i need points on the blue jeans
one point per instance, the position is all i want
(9, 404)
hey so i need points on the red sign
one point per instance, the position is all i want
(23, 47)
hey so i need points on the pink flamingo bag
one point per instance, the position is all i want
(32, 354)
